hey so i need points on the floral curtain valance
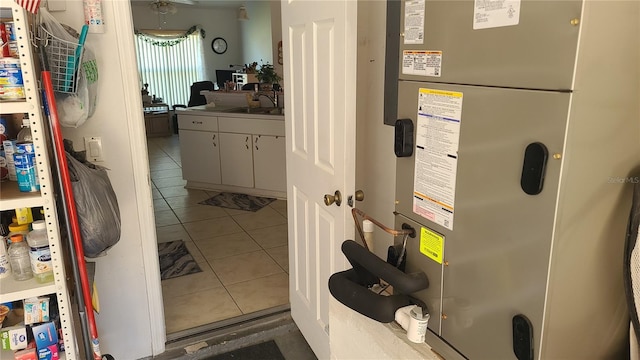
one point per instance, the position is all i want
(168, 37)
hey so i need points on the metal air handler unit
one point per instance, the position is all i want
(526, 122)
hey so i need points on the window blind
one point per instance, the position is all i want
(170, 70)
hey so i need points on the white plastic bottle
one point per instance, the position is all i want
(24, 135)
(19, 258)
(39, 253)
(5, 268)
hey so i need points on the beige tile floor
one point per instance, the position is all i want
(243, 255)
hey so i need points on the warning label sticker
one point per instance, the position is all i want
(432, 245)
(422, 62)
(414, 21)
(436, 155)
(495, 13)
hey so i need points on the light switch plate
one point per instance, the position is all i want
(93, 146)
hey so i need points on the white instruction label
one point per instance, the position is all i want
(414, 21)
(436, 164)
(496, 13)
(422, 62)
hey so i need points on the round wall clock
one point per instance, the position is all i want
(219, 45)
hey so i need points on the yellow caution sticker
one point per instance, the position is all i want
(432, 244)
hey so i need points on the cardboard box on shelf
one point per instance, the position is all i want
(26, 354)
(45, 335)
(14, 337)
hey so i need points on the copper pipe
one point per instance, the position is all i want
(393, 232)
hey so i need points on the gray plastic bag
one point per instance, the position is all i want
(97, 207)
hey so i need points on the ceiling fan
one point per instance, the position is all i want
(165, 7)
(186, 2)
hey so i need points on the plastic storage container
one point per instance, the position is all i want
(19, 258)
(39, 253)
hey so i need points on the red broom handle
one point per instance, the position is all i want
(72, 211)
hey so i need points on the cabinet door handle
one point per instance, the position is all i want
(247, 145)
(213, 140)
(196, 122)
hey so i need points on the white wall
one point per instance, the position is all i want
(256, 33)
(216, 21)
(248, 41)
(276, 34)
(127, 278)
(356, 337)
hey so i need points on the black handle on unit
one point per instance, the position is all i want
(403, 138)
(522, 337)
(533, 168)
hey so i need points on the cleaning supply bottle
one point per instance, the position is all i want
(39, 253)
(19, 258)
(5, 268)
(24, 135)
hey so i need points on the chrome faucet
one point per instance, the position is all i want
(274, 99)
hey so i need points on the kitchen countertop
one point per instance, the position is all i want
(223, 110)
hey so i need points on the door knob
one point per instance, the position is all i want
(359, 196)
(335, 198)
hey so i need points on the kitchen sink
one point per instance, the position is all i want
(257, 110)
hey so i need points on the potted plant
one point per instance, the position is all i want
(268, 75)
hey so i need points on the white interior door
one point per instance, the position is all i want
(319, 44)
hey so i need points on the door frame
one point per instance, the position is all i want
(123, 28)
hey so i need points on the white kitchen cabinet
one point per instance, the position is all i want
(251, 151)
(236, 159)
(11, 198)
(200, 156)
(269, 162)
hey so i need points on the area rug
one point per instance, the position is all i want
(265, 351)
(175, 260)
(238, 201)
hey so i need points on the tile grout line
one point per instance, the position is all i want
(244, 231)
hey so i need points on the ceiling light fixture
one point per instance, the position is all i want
(242, 13)
(163, 7)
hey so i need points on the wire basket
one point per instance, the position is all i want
(64, 59)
